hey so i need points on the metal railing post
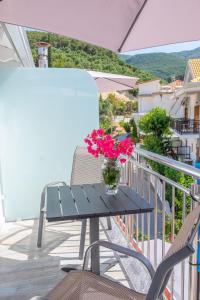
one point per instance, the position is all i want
(155, 222)
(193, 275)
(195, 259)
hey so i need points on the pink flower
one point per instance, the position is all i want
(94, 134)
(87, 141)
(100, 131)
(108, 137)
(100, 143)
(122, 160)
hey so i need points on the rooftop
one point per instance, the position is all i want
(176, 83)
(195, 68)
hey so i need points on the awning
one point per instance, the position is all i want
(108, 82)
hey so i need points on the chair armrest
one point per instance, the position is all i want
(54, 183)
(43, 195)
(123, 250)
(51, 184)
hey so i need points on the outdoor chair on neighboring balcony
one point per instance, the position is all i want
(86, 169)
(86, 285)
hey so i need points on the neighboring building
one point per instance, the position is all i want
(152, 94)
(14, 52)
(186, 109)
(14, 47)
(176, 84)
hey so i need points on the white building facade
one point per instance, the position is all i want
(186, 109)
(152, 94)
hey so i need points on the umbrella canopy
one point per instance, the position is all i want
(119, 25)
(108, 82)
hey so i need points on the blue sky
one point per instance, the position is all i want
(168, 48)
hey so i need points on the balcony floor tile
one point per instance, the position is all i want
(26, 271)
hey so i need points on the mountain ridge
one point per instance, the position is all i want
(161, 64)
(68, 53)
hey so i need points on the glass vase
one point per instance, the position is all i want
(111, 175)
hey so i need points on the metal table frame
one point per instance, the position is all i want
(90, 201)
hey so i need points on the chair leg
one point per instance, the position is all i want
(82, 239)
(41, 219)
(40, 229)
(109, 223)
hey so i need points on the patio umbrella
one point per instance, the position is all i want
(119, 25)
(108, 82)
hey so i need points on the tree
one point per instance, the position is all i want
(134, 92)
(67, 53)
(130, 107)
(156, 122)
(127, 127)
(49, 51)
(130, 127)
(105, 114)
(134, 133)
(116, 104)
(156, 126)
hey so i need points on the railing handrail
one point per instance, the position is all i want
(179, 166)
(163, 178)
(184, 120)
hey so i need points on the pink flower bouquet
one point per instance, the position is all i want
(115, 153)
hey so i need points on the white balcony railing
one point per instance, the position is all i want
(153, 233)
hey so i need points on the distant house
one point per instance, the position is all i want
(186, 109)
(152, 94)
(176, 84)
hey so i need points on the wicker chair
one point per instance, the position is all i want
(86, 285)
(86, 169)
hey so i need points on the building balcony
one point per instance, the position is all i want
(182, 153)
(186, 126)
(27, 271)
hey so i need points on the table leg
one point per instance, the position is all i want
(94, 236)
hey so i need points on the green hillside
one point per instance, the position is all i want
(189, 53)
(163, 65)
(69, 53)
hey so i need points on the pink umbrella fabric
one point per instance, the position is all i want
(107, 82)
(119, 25)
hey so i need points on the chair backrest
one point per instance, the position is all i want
(86, 169)
(179, 250)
